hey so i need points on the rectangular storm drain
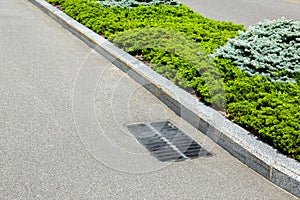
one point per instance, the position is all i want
(166, 142)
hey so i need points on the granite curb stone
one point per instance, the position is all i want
(264, 159)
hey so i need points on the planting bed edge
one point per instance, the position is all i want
(264, 159)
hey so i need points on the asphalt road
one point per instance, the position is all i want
(247, 12)
(63, 111)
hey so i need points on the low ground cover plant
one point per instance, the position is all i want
(135, 3)
(269, 109)
(178, 58)
(109, 21)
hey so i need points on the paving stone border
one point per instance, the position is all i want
(277, 168)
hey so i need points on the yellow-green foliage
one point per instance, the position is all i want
(135, 3)
(108, 21)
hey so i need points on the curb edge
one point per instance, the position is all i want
(262, 158)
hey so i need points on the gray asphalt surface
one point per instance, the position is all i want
(63, 111)
(247, 12)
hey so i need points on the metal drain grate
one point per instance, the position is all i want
(166, 142)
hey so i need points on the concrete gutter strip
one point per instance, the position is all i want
(262, 158)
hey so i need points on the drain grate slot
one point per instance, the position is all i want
(166, 142)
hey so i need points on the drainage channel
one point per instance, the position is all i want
(166, 142)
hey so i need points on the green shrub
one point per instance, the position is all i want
(271, 49)
(270, 110)
(136, 3)
(177, 57)
(56, 2)
(108, 21)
